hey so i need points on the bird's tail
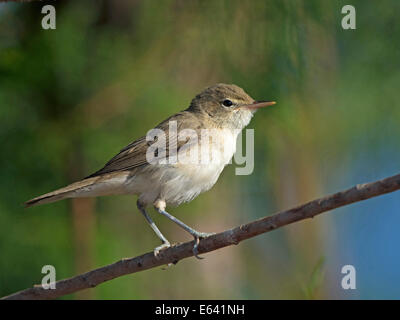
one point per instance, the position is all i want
(69, 191)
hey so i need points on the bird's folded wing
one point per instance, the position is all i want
(134, 154)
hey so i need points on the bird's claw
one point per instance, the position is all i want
(197, 237)
(196, 248)
(157, 250)
(203, 235)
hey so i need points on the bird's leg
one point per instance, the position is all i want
(160, 207)
(165, 242)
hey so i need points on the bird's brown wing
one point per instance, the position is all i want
(134, 154)
(130, 157)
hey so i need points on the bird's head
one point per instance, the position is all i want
(228, 105)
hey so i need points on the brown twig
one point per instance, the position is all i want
(217, 241)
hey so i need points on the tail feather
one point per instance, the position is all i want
(59, 194)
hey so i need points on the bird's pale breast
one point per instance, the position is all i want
(184, 180)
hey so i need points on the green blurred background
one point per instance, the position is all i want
(71, 98)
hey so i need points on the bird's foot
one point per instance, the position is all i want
(197, 236)
(164, 246)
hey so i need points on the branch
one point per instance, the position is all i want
(223, 239)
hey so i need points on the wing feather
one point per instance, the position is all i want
(134, 154)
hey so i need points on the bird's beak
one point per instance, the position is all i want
(258, 105)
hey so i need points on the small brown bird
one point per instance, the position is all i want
(201, 141)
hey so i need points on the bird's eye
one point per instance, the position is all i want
(227, 103)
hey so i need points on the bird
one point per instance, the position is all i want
(201, 142)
